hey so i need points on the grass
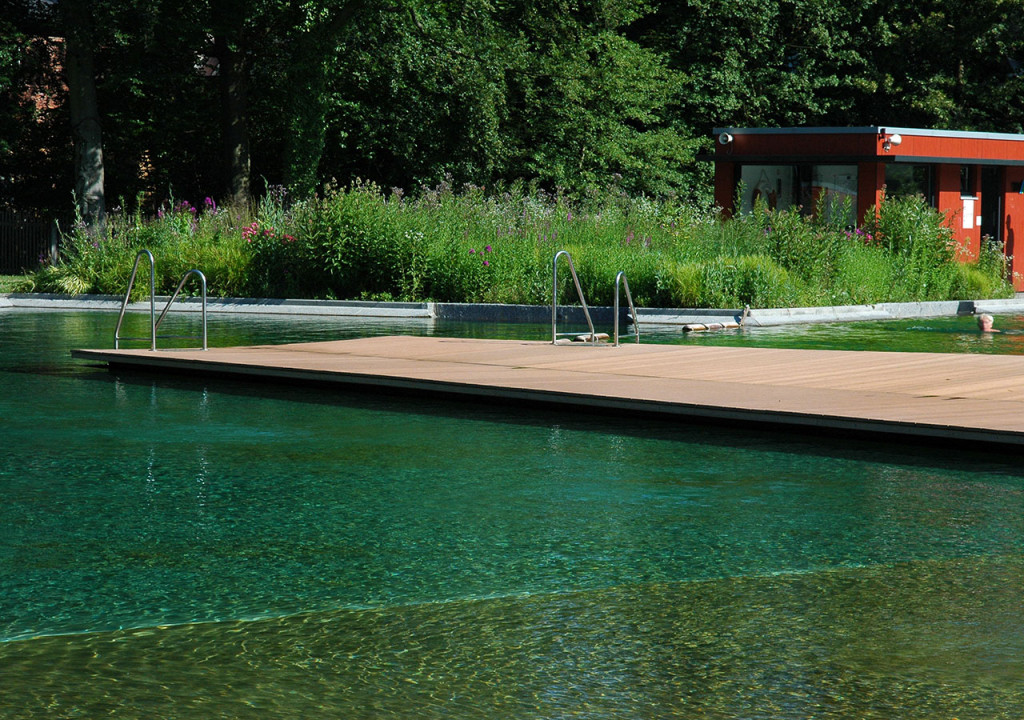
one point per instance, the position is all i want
(14, 283)
(363, 243)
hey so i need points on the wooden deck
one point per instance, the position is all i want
(925, 395)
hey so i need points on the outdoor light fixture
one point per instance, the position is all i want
(892, 141)
(725, 139)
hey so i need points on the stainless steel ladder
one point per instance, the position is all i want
(154, 322)
(629, 298)
(554, 298)
(592, 338)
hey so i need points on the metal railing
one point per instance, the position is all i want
(629, 298)
(154, 322)
(554, 298)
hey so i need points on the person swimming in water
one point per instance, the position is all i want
(985, 322)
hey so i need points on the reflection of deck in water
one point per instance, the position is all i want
(931, 395)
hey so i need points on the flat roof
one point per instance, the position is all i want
(872, 130)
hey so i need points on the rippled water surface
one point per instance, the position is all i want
(191, 548)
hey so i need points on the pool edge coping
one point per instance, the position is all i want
(494, 312)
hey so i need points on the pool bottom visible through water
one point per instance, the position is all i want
(176, 547)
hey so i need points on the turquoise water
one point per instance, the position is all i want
(190, 548)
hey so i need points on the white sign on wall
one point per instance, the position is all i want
(968, 212)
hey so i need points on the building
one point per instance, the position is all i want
(976, 179)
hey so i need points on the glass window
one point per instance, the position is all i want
(967, 177)
(773, 184)
(903, 180)
(834, 192)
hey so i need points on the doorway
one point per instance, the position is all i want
(992, 204)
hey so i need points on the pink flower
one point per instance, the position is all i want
(486, 262)
(487, 249)
(472, 251)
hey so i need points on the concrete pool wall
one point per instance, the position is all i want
(483, 312)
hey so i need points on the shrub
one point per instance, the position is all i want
(360, 243)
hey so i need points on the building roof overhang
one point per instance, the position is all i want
(850, 145)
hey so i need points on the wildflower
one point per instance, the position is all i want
(487, 249)
(568, 217)
(487, 262)
(472, 251)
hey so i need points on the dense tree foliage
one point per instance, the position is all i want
(226, 98)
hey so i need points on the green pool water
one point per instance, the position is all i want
(181, 548)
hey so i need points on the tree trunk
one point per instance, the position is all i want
(85, 116)
(234, 97)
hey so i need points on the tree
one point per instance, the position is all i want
(974, 83)
(760, 63)
(312, 48)
(87, 130)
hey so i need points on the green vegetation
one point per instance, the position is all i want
(576, 96)
(472, 246)
(14, 283)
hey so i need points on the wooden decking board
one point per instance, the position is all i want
(963, 397)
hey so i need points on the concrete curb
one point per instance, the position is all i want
(253, 306)
(495, 313)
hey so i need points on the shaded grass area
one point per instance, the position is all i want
(472, 246)
(14, 283)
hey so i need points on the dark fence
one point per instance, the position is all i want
(26, 240)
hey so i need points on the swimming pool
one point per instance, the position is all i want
(180, 548)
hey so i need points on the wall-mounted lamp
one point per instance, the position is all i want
(892, 141)
(725, 139)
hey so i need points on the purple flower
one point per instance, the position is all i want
(487, 249)
(472, 251)
(487, 262)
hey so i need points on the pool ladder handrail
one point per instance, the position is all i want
(154, 322)
(629, 298)
(620, 279)
(554, 298)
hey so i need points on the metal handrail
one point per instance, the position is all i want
(629, 298)
(152, 302)
(154, 322)
(202, 282)
(554, 297)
